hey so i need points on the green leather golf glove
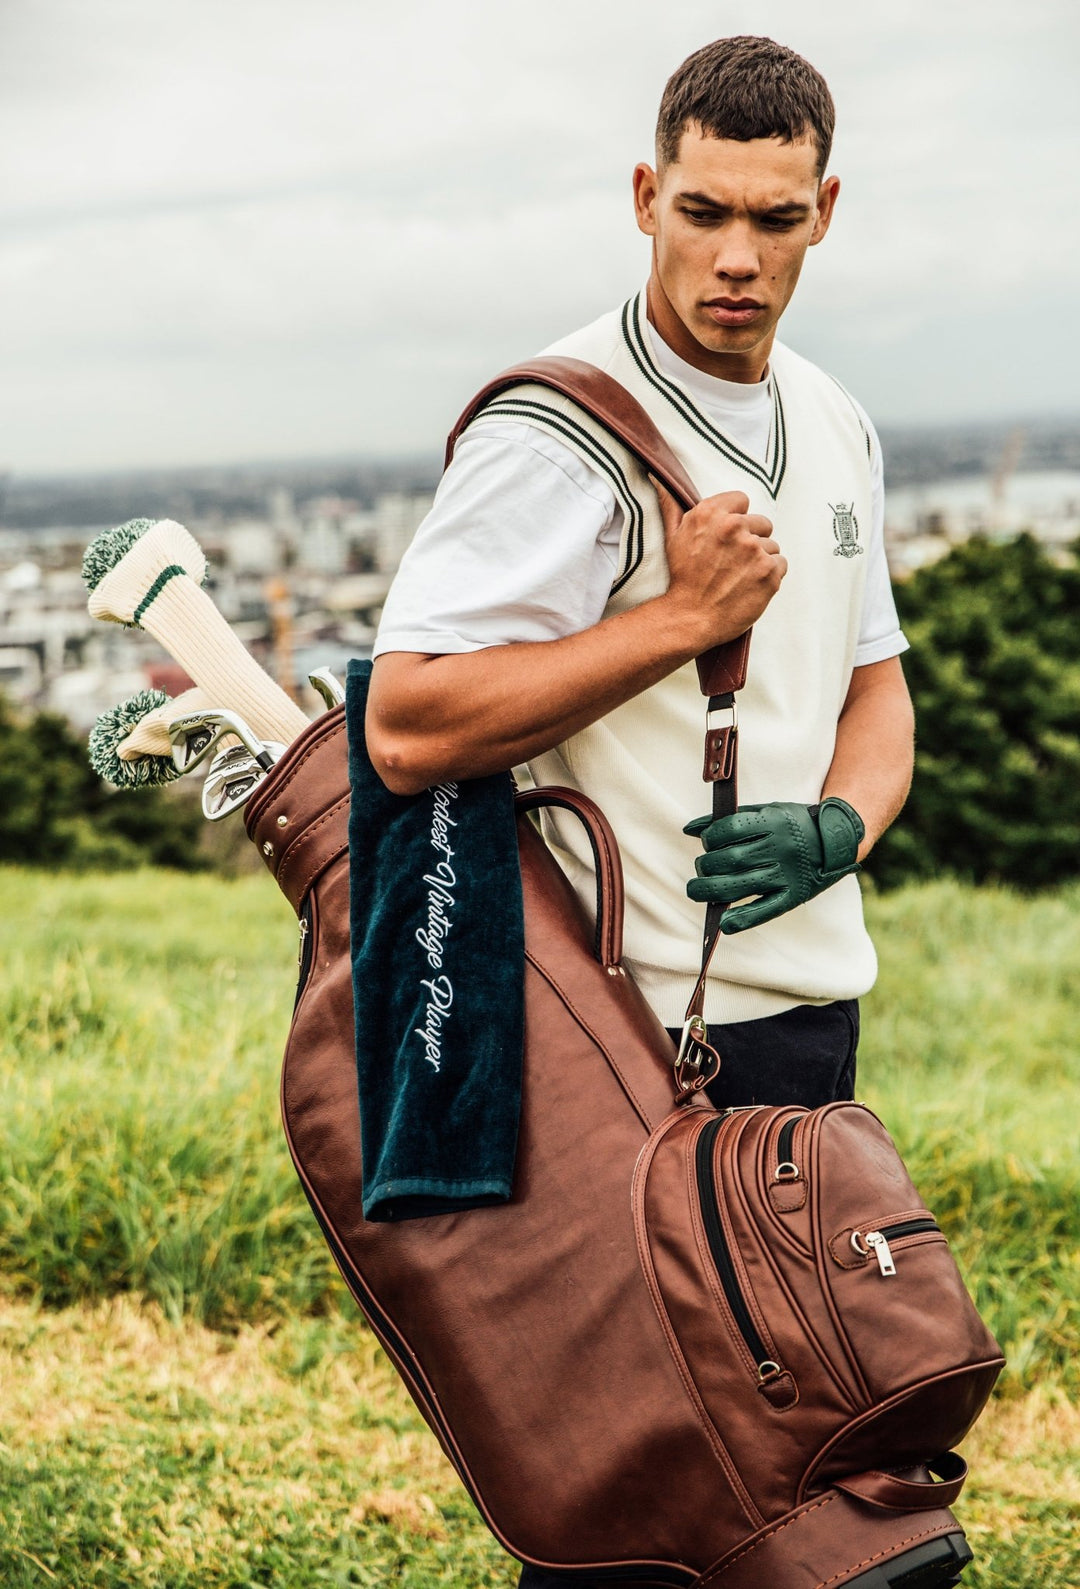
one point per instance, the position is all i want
(783, 852)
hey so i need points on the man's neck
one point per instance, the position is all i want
(746, 368)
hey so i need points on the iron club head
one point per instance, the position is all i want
(194, 735)
(232, 777)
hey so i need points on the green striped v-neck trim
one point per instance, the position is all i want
(506, 406)
(771, 474)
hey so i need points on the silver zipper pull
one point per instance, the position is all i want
(304, 926)
(880, 1247)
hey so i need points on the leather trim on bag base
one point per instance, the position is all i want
(831, 1541)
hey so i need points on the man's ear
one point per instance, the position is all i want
(646, 188)
(826, 204)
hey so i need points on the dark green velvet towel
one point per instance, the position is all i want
(438, 955)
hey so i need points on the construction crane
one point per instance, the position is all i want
(1004, 469)
(280, 608)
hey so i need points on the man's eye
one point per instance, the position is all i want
(779, 223)
(702, 217)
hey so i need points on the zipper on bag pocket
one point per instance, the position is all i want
(767, 1366)
(786, 1169)
(877, 1241)
(303, 957)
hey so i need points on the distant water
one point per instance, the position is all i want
(1046, 501)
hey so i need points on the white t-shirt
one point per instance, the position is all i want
(522, 541)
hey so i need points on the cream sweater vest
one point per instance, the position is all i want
(642, 763)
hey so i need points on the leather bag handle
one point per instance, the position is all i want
(607, 945)
(896, 1494)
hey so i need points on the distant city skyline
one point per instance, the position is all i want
(267, 231)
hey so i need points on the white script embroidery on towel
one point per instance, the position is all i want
(432, 938)
(441, 997)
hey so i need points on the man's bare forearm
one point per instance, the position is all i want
(431, 718)
(875, 748)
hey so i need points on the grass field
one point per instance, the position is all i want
(189, 1399)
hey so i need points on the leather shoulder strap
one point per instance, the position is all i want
(721, 670)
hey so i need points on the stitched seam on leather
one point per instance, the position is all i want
(789, 1406)
(682, 1369)
(411, 1369)
(868, 1414)
(708, 1262)
(911, 1490)
(318, 870)
(603, 865)
(302, 840)
(918, 1238)
(857, 1260)
(643, 1114)
(859, 1391)
(804, 1325)
(927, 1533)
(879, 1220)
(905, 1467)
(285, 877)
(299, 843)
(762, 1539)
(312, 750)
(737, 1260)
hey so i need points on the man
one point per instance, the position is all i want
(551, 606)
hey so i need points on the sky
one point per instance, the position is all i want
(264, 229)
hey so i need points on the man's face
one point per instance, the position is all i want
(730, 223)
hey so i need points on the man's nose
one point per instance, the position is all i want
(737, 255)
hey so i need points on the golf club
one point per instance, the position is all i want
(326, 684)
(195, 734)
(233, 775)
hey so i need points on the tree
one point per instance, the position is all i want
(994, 670)
(56, 812)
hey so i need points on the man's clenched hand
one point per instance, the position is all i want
(723, 563)
(783, 852)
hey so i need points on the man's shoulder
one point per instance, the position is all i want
(785, 361)
(595, 343)
(793, 370)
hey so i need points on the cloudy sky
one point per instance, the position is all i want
(248, 229)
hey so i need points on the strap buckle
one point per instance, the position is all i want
(722, 717)
(721, 739)
(696, 1062)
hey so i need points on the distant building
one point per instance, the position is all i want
(398, 515)
(923, 521)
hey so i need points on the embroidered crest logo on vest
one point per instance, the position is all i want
(845, 527)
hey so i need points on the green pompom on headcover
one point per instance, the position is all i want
(106, 550)
(112, 728)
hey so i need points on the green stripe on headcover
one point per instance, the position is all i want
(112, 728)
(156, 588)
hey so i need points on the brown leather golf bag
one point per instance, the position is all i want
(694, 1348)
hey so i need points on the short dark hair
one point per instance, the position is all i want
(743, 88)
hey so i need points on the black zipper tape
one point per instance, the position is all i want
(785, 1140)
(907, 1227)
(718, 1246)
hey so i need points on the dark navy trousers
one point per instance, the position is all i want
(805, 1055)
